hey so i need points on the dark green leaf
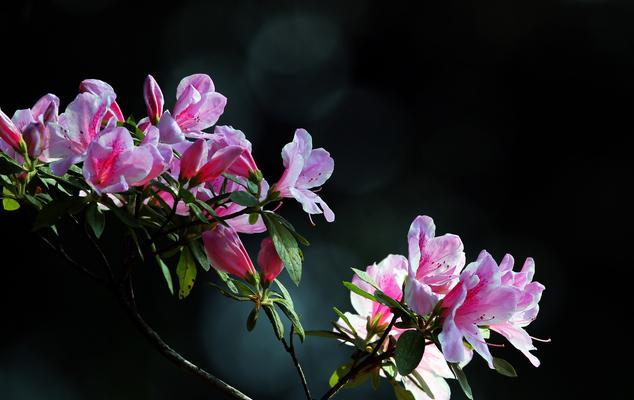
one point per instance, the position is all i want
(365, 277)
(420, 382)
(287, 308)
(186, 272)
(387, 300)
(245, 199)
(504, 367)
(355, 289)
(166, 274)
(54, 210)
(252, 319)
(409, 351)
(292, 229)
(327, 334)
(345, 319)
(286, 246)
(462, 379)
(199, 254)
(9, 167)
(285, 293)
(276, 322)
(95, 219)
(253, 218)
(230, 295)
(253, 187)
(227, 280)
(198, 213)
(401, 393)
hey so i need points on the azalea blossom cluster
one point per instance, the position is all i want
(164, 169)
(183, 189)
(451, 308)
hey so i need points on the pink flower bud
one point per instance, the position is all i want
(193, 158)
(218, 163)
(269, 260)
(9, 132)
(153, 99)
(227, 253)
(35, 141)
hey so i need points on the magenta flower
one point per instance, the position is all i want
(103, 90)
(527, 308)
(78, 127)
(201, 165)
(113, 163)
(479, 299)
(389, 275)
(269, 261)
(28, 125)
(305, 169)
(198, 106)
(227, 136)
(227, 253)
(434, 264)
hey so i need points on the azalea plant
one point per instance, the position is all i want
(183, 195)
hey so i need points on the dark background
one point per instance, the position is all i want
(507, 121)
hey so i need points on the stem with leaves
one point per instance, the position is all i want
(371, 360)
(129, 304)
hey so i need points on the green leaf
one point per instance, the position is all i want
(9, 167)
(198, 213)
(274, 317)
(199, 254)
(253, 187)
(253, 218)
(166, 273)
(292, 229)
(339, 373)
(355, 289)
(252, 319)
(365, 277)
(286, 246)
(95, 219)
(345, 319)
(401, 393)
(409, 351)
(230, 295)
(390, 369)
(186, 272)
(326, 334)
(388, 301)
(420, 382)
(227, 280)
(289, 311)
(285, 293)
(7, 203)
(54, 210)
(462, 379)
(504, 367)
(245, 199)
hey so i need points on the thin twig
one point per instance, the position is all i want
(369, 360)
(291, 350)
(129, 304)
(60, 249)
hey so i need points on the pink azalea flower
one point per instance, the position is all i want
(227, 136)
(227, 253)
(269, 261)
(434, 370)
(103, 90)
(113, 163)
(201, 165)
(78, 127)
(305, 169)
(29, 125)
(434, 264)
(478, 299)
(198, 106)
(527, 308)
(389, 275)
